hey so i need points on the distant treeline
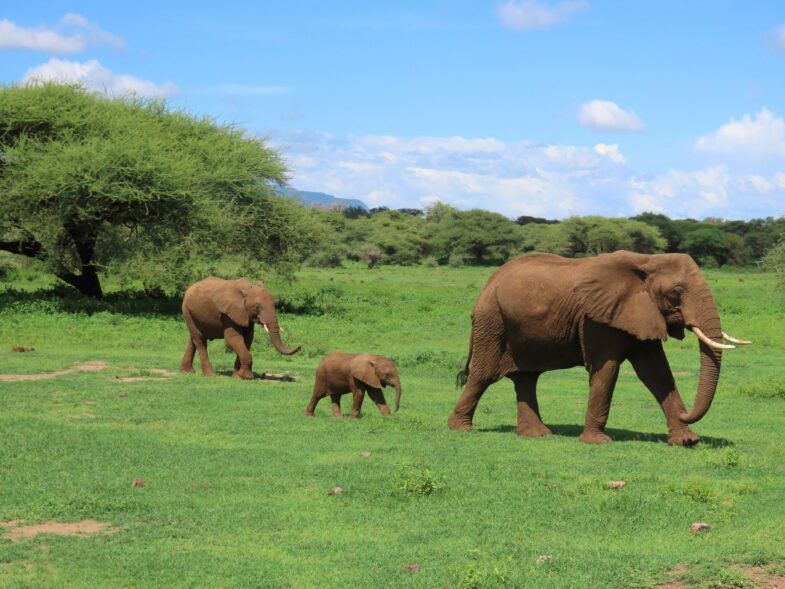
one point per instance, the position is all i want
(443, 235)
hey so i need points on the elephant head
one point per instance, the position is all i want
(377, 372)
(651, 297)
(246, 303)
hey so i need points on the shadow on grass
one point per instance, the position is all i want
(64, 299)
(263, 376)
(618, 435)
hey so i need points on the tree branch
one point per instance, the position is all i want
(30, 248)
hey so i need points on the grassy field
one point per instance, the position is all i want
(236, 480)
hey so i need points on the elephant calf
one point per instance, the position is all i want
(214, 308)
(340, 373)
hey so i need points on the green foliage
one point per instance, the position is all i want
(774, 261)
(481, 237)
(129, 187)
(589, 236)
(417, 480)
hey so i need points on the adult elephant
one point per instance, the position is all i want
(214, 308)
(542, 312)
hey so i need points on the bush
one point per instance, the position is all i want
(456, 261)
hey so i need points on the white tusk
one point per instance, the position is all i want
(711, 343)
(265, 328)
(733, 340)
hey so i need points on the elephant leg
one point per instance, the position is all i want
(602, 381)
(529, 420)
(336, 405)
(248, 339)
(236, 341)
(315, 398)
(463, 412)
(377, 396)
(651, 366)
(187, 363)
(201, 346)
(358, 395)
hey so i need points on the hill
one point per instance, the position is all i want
(322, 199)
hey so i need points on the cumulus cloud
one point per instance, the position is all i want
(751, 137)
(72, 34)
(777, 39)
(607, 116)
(530, 14)
(95, 76)
(519, 177)
(513, 178)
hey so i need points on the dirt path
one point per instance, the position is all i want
(92, 366)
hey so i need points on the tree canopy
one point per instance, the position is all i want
(90, 184)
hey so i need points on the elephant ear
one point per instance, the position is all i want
(612, 290)
(231, 301)
(364, 369)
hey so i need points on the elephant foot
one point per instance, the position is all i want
(208, 372)
(244, 374)
(459, 423)
(683, 436)
(594, 437)
(187, 369)
(308, 413)
(533, 432)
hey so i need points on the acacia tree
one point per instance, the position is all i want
(90, 184)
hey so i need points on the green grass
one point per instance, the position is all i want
(237, 480)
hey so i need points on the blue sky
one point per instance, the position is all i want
(536, 107)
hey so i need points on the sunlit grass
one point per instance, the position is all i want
(237, 480)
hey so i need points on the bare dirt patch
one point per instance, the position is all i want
(23, 349)
(82, 529)
(760, 577)
(91, 366)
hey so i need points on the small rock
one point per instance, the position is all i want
(335, 491)
(543, 558)
(617, 484)
(365, 454)
(122, 394)
(700, 527)
(137, 482)
(411, 567)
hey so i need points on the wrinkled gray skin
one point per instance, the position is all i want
(214, 308)
(340, 373)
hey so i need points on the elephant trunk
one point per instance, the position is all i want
(275, 338)
(711, 357)
(397, 395)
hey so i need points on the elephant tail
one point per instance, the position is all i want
(463, 374)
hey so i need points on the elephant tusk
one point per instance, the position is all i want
(265, 327)
(733, 340)
(711, 343)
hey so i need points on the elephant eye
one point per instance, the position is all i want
(674, 295)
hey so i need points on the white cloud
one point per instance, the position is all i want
(777, 39)
(510, 177)
(96, 77)
(520, 177)
(604, 115)
(531, 14)
(749, 138)
(72, 34)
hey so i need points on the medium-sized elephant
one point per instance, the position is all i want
(214, 308)
(542, 312)
(339, 373)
